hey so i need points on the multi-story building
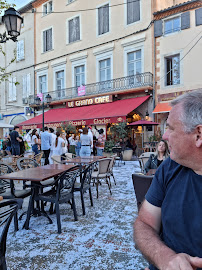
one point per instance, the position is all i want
(93, 52)
(178, 44)
(14, 91)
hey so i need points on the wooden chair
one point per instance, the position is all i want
(141, 184)
(102, 173)
(38, 157)
(143, 159)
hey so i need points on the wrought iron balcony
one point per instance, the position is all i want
(129, 82)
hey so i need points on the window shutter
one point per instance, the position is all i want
(77, 28)
(44, 41)
(14, 89)
(158, 28)
(198, 15)
(106, 18)
(100, 20)
(129, 11)
(133, 11)
(24, 87)
(10, 90)
(22, 49)
(28, 85)
(18, 51)
(185, 20)
(71, 31)
(49, 39)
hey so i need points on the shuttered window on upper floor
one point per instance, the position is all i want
(26, 85)
(133, 11)
(74, 29)
(47, 40)
(12, 95)
(20, 50)
(103, 19)
(47, 8)
(198, 16)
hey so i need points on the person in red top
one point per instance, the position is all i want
(100, 142)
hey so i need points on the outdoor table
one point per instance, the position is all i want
(36, 175)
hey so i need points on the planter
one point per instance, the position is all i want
(127, 154)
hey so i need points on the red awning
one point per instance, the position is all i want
(162, 108)
(87, 115)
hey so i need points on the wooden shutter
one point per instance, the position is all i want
(77, 25)
(100, 20)
(185, 20)
(44, 42)
(24, 86)
(198, 15)
(106, 18)
(158, 28)
(14, 89)
(133, 11)
(18, 51)
(28, 84)
(22, 50)
(71, 28)
(74, 29)
(49, 39)
(10, 89)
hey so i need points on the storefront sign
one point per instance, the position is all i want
(81, 90)
(89, 101)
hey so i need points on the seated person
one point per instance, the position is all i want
(155, 160)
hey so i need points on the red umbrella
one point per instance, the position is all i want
(143, 123)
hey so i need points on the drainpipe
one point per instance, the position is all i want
(154, 86)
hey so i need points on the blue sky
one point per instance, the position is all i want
(18, 3)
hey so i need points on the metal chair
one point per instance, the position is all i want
(143, 159)
(84, 185)
(141, 184)
(111, 165)
(62, 192)
(119, 155)
(102, 173)
(8, 210)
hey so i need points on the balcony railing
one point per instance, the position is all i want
(129, 82)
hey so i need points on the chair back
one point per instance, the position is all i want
(26, 163)
(69, 155)
(143, 159)
(103, 165)
(111, 164)
(56, 159)
(5, 184)
(7, 210)
(141, 184)
(86, 175)
(38, 157)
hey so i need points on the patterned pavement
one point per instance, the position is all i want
(102, 239)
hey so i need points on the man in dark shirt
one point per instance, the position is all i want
(168, 229)
(15, 141)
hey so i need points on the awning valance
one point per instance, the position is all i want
(162, 108)
(87, 115)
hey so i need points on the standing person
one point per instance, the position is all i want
(168, 228)
(100, 143)
(155, 160)
(22, 146)
(90, 134)
(46, 144)
(15, 141)
(53, 137)
(78, 146)
(85, 144)
(72, 144)
(58, 145)
(34, 141)
(65, 147)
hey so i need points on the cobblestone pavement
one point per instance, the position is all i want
(102, 239)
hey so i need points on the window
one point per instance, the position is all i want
(26, 86)
(12, 89)
(172, 70)
(47, 40)
(60, 82)
(134, 66)
(43, 84)
(74, 29)
(172, 25)
(20, 50)
(47, 8)
(133, 11)
(103, 19)
(105, 73)
(79, 75)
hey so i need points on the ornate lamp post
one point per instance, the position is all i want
(12, 21)
(48, 99)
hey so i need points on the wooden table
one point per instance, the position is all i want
(37, 174)
(84, 160)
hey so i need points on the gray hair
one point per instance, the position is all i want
(191, 115)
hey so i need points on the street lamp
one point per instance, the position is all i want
(12, 21)
(38, 102)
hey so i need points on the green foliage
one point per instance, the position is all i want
(156, 137)
(119, 131)
(68, 128)
(109, 144)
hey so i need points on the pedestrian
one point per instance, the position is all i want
(90, 134)
(168, 228)
(65, 147)
(58, 145)
(100, 144)
(22, 146)
(72, 144)
(35, 141)
(85, 144)
(156, 159)
(78, 146)
(15, 141)
(53, 137)
(46, 144)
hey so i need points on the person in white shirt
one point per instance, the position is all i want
(58, 145)
(34, 141)
(53, 137)
(64, 148)
(72, 144)
(90, 134)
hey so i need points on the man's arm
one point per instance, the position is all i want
(146, 234)
(18, 139)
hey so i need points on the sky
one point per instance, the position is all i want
(18, 3)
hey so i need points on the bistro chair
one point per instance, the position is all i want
(38, 157)
(119, 155)
(141, 184)
(84, 185)
(143, 158)
(62, 192)
(111, 165)
(102, 173)
(57, 159)
(8, 210)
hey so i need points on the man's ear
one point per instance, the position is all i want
(199, 136)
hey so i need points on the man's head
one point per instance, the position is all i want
(16, 128)
(184, 133)
(51, 130)
(46, 128)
